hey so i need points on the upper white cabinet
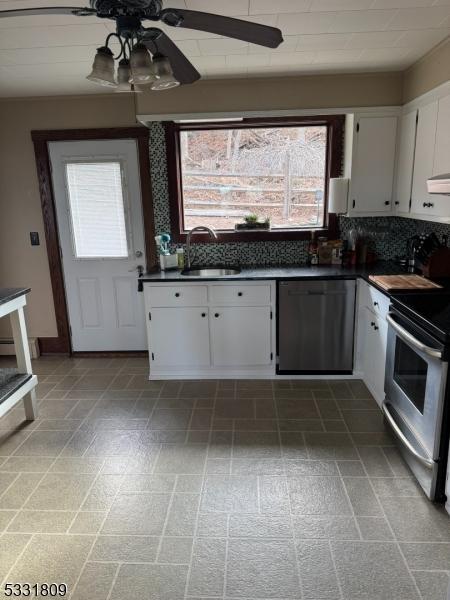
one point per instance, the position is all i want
(441, 163)
(405, 162)
(424, 156)
(372, 165)
(424, 151)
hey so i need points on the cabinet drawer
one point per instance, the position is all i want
(179, 295)
(240, 295)
(377, 301)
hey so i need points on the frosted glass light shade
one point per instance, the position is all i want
(164, 75)
(338, 195)
(141, 66)
(103, 68)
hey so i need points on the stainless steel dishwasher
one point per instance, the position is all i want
(315, 326)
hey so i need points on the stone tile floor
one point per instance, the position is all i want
(126, 489)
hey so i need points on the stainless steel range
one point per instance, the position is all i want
(416, 405)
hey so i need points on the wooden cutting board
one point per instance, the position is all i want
(403, 282)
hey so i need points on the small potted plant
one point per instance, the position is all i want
(253, 223)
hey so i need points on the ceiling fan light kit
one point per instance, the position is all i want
(169, 67)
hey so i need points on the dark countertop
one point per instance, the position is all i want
(8, 294)
(287, 272)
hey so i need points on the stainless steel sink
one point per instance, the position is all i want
(211, 272)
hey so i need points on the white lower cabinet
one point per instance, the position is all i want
(240, 336)
(180, 337)
(374, 352)
(371, 342)
(229, 333)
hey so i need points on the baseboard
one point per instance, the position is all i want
(211, 373)
(264, 373)
(7, 347)
(112, 354)
(53, 345)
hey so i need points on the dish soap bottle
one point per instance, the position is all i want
(180, 258)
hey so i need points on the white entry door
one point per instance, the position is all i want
(99, 212)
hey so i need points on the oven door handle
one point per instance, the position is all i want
(407, 337)
(425, 461)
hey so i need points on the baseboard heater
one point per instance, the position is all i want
(7, 347)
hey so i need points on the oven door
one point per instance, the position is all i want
(415, 384)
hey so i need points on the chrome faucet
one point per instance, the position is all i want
(202, 228)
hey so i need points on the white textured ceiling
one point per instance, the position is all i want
(52, 55)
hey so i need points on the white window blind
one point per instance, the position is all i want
(97, 212)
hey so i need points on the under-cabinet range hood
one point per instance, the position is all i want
(439, 184)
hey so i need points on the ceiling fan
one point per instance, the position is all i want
(147, 56)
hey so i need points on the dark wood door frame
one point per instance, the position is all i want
(62, 343)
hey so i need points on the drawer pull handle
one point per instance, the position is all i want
(239, 293)
(376, 303)
(216, 315)
(203, 314)
(372, 324)
(177, 294)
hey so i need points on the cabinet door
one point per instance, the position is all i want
(442, 149)
(440, 205)
(424, 158)
(374, 355)
(405, 162)
(179, 337)
(240, 336)
(373, 165)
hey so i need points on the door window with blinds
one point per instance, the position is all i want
(98, 209)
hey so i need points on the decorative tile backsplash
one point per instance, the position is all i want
(388, 234)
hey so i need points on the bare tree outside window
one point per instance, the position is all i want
(272, 172)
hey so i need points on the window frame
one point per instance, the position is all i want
(335, 142)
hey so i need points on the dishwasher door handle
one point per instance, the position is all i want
(316, 293)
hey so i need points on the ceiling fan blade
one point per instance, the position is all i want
(158, 42)
(78, 11)
(226, 26)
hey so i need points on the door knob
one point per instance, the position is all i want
(138, 253)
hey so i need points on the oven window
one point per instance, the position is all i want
(410, 373)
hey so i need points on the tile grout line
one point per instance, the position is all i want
(394, 537)
(381, 508)
(291, 515)
(97, 535)
(24, 503)
(202, 489)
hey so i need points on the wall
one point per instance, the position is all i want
(429, 72)
(388, 235)
(20, 209)
(282, 93)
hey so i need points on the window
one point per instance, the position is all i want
(97, 213)
(277, 171)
